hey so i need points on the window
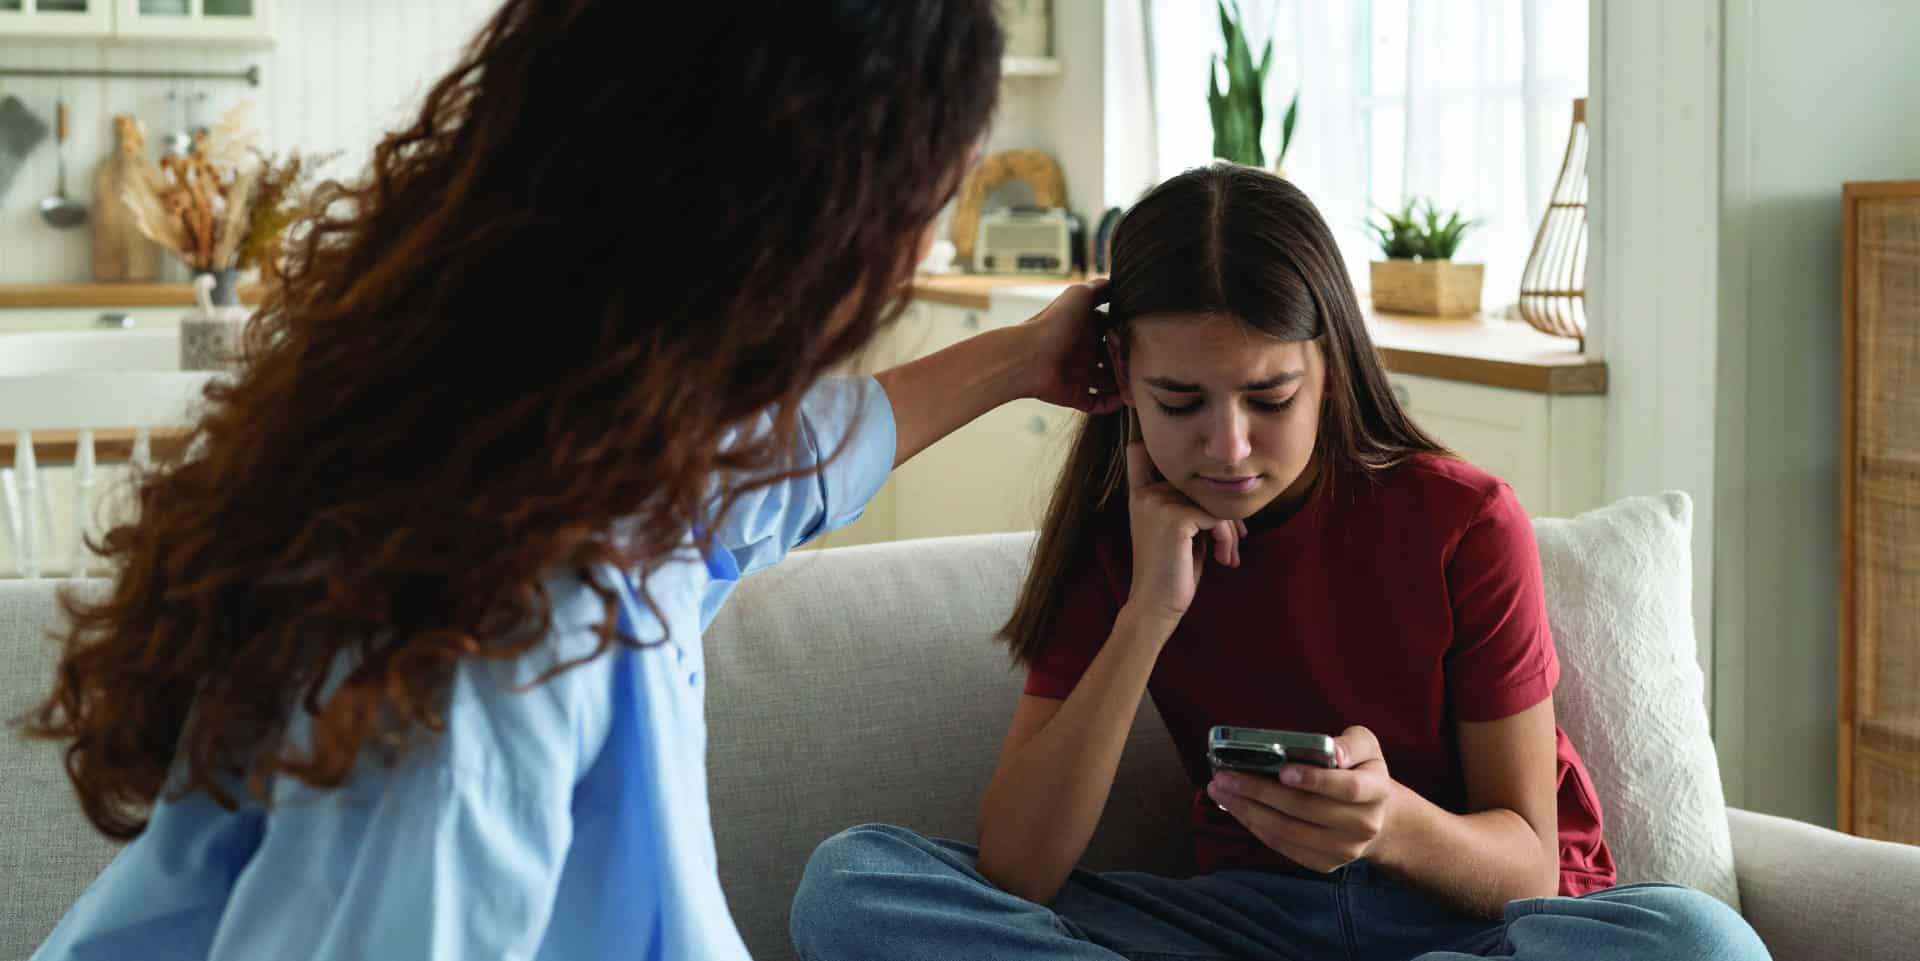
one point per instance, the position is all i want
(1464, 101)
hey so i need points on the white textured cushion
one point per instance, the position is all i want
(1620, 597)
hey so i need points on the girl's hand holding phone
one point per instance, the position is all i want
(1171, 540)
(1320, 818)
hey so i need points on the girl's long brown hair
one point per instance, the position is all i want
(599, 247)
(1231, 240)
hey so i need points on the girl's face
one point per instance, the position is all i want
(1229, 415)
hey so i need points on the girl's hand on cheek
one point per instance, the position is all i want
(1321, 819)
(1171, 540)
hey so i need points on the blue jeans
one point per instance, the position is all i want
(884, 892)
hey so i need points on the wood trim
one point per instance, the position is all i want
(1849, 262)
(1862, 189)
(56, 448)
(110, 295)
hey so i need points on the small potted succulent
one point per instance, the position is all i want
(1418, 275)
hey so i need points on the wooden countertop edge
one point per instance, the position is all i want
(13, 296)
(1558, 379)
(978, 300)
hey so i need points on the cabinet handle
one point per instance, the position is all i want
(1038, 425)
(1401, 394)
(971, 321)
(118, 321)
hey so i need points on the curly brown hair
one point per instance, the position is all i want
(600, 246)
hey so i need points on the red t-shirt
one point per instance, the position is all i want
(1405, 604)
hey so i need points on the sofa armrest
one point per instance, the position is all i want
(1815, 894)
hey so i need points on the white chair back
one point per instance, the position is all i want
(82, 401)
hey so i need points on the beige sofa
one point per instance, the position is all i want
(859, 684)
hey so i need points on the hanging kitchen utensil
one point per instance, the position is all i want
(20, 132)
(60, 210)
(179, 141)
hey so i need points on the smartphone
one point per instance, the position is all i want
(1257, 750)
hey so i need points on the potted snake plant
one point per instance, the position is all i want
(1239, 115)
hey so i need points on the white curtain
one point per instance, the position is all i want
(1467, 102)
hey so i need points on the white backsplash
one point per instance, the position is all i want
(342, 73)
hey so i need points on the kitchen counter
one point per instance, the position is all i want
(1478, 349)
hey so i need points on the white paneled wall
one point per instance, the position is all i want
(342, 73)
(1652, 279)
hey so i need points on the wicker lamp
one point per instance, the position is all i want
(1553, 288)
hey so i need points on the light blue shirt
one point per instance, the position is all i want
(568, 821)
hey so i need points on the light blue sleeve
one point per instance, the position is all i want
(766, 523)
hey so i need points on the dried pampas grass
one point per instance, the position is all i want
(200, 205)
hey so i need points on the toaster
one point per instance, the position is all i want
(1025, 240)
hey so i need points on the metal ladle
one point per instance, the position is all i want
(60, 210)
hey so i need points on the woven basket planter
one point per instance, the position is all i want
(1426, 287)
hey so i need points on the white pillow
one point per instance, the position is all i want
(1619, 584)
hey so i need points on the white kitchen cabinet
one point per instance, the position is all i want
(994, 474)
(56, 19)
(218, 21)
(991, 475)
(236, 22)
(1548, 447)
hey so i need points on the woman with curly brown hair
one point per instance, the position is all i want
(402, 657)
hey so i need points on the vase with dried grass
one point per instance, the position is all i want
(221, 208)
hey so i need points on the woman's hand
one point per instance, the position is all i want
(1321, 819)
(1171, 537)
(1066, 359)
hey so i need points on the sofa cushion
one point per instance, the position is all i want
(1619, 584)
(51, 853)
(861, 684)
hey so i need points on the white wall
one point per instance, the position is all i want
(1818, 92)
(1723, 132)
(1064, 115)
(1653, 120)
(342, 72)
